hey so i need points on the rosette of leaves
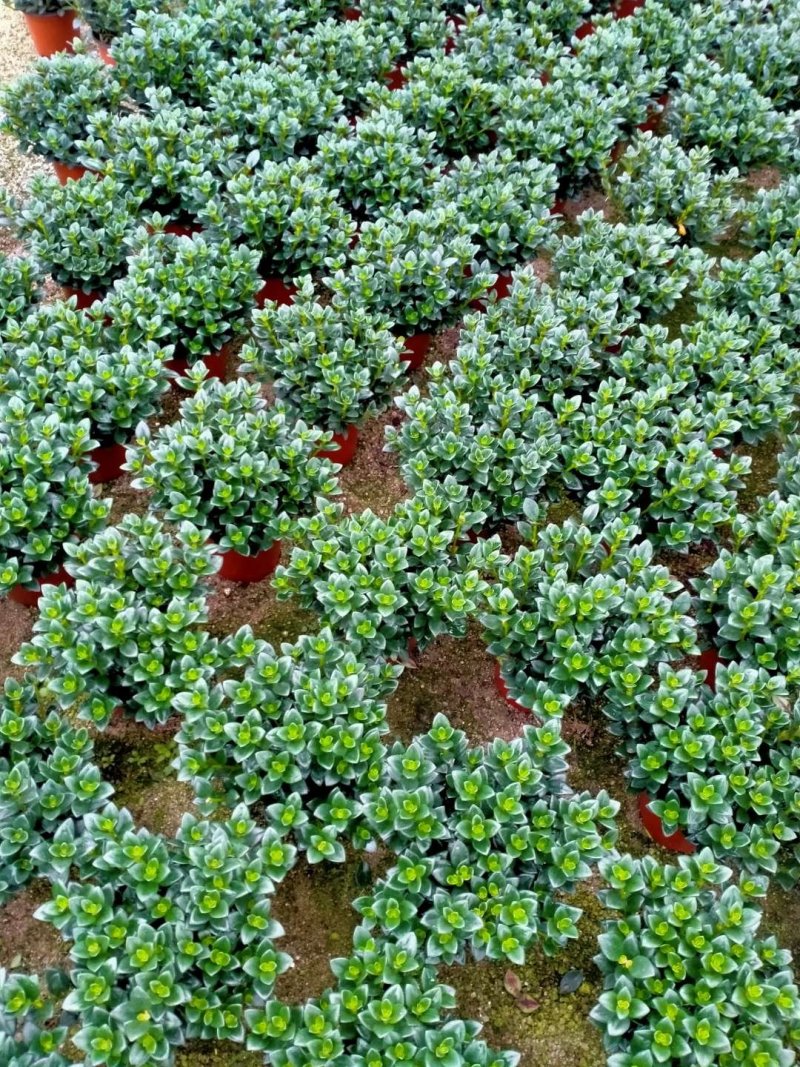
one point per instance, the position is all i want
(243, 472)
(644, 264)
(497, 841)
(724, 111)
(166, 153)
(286, 212)
(568, 121)
(657, 180)
(561, 17)
(47, 780)
(26, 1012)
(19, 288)
(419, 267)
(750, 595)
(129, 633)
(720, 765)
(61, 327)
(350, 53)
(170, 939)
(505, 199)
(176, 50)
(301, 723)
(380, 582)
(330, 364)
(451, 96)
(115, 390)
(253, 28)
(500, 44)
(576, 606)
(190, 292)
(277, 109)
(383, 162)
(48, 109)
(484, 432)
(772, 216)
(687, 979)
(79, 233)
(46, 500)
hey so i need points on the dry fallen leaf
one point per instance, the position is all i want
(512, 984)
(527, 1004)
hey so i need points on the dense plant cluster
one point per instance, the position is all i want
(263, 215)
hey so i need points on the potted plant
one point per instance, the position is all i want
(576, 606)
(657, 180)
(379, 582)
(329, 364)
(188, 292)
(19, 288)
(419, 267)
(686, 977)
(165, 152)
(312, 708)
(129, 633)
(382, 162)
(49, 23)
(45, 497)
(47, 780)
(507, 202)
(771, 216)
(288, 214)
(108, 20)
(277, 109)
(244, 472)
(80, 233)
(114, 389)
(48, 108)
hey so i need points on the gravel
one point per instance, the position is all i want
(16, 168)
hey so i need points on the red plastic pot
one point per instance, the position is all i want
(69, 172)
(239, 568)
(275, 289)
(396, 79)
(85, 299)
(455, 22)
(104, 52)
(416, 348)
(501, 289)
(502, 689)
(31, 597)
(216, 364)
(109, 460)
(559, 207)
(626, 8)
(708, 661)
(51, 33)
(675, 842)
(342, 447)
(586, 29)
(183, 229)
(654, 113)
(351, 14)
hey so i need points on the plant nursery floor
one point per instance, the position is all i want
(453, 676)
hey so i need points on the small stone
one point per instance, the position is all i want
(571, 982)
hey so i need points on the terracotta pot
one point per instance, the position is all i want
(69, 172)
(109, 460)
(586, 29)
(244, 569)
(84, 298)
(675, 842)
(502, 689)
(51, 33)
(342, 448)
(351, 14)
(277, 290)
(416, 348)
(104, 53)
(396, 79)
(626, 8)
(31, 597)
